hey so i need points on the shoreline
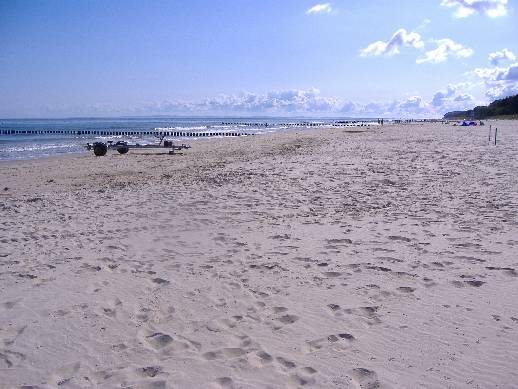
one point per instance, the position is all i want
(178, 140)
(312, 258)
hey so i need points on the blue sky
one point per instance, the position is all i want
(416, 58)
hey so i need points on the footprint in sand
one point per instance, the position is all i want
(221, 325)
(399, 238)
(429, 282)
(163, 342)
(365, 378)
(143, 314)
(264, 357)
(288, 319)
(111, 309)
(224, 353)
(475, 283)
(457, 284)
(149, 371)
(286, 363)
(299, 380)
(277, 310)
(332, 274)
(160, 281)
(225, 382)
(159, 340)
(379, 268)
(368, 314)
(119, 347)
(89, 267)
(309, 370)
(406, 289)
(109, 312)
(341, 341)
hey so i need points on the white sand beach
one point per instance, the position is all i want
(327, 258)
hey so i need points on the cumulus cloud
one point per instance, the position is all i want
(445, 48)
(440, 97)
(400, 38)
(319, 9)
(310, 102)
(501, 90)
(410, 107)
(290, 102)
(465, 8)
(451, 97)
(307, 102)
(509, 73)
(350, 108)
(499, 81)
(487, 73)
(412, 104)
(275, 102)
(463, 98)
(504, 54)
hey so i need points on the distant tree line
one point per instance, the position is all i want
(502, 107)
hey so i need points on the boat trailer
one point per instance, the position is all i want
(101, 148)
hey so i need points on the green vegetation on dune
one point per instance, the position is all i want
(504, 108)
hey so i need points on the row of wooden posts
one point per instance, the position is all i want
(121, 133)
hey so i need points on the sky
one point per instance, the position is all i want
(343, 58)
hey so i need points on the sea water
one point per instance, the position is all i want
(28, 146)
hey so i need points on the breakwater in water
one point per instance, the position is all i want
(34, 138)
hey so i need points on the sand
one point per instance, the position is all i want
(320, 258)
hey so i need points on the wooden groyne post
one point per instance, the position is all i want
(490, 132)
(496, 130)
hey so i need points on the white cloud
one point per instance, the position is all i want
(502, 90)
(410, 107)
(275, 102)
(289, 102)
(487, 73)
(499, 81)
(308, 102)
(400, 38)
(509, 73)
(445, 48)
(412, 104)
(319, 9)
(463, 98)
(350, 107)
(440, 97)
(450, 98)
(501, 55)
(465, 8)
